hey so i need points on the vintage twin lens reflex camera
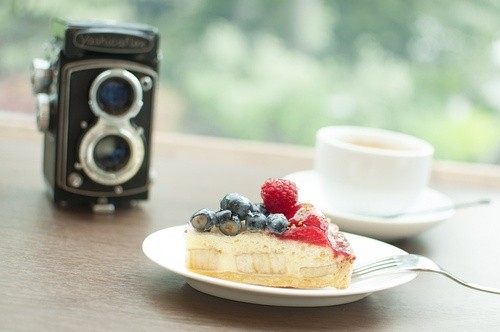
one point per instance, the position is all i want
(94, 92)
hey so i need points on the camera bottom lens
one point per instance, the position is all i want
(112, 153)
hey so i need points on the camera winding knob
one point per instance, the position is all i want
(43, 105)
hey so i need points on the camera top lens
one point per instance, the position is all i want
(116, 93)
(115, 96)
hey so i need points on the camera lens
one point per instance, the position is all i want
(115, 96)
(116, 93)
(112, 153)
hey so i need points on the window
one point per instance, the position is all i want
(279, 70)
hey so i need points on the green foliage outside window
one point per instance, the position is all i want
(279, 70)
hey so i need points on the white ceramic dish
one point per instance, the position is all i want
(167, 248)
(386, 229)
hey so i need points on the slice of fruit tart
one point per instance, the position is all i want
(280, 242)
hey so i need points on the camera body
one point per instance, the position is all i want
(95, 98)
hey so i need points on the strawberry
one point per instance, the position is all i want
(279, 195)
(311, 235)
(289, 215)
(308, 215)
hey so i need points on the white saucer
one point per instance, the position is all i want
(167, 247)
(386, 229)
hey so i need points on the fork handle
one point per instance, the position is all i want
(462, 282)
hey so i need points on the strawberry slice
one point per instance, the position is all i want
(311, 235)
(308, 215)
(289, 215)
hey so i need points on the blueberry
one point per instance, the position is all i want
(221, 216)
(231, 226)
(203, 220)
(237, 204)
(256, 221)
(277, 223)
(259, 208)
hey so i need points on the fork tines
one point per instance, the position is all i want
(381, 264)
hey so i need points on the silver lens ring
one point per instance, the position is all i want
(132, 164)
(132, 107)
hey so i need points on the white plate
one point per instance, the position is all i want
(167, 248)
(386, 229)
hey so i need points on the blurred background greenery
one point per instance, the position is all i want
(276, 70)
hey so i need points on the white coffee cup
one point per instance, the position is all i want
(371, 171)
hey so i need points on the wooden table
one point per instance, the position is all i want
(64, 270)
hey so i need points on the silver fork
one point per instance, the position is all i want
(411, 262)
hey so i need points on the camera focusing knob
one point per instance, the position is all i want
(41, 75)
(43, 105)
